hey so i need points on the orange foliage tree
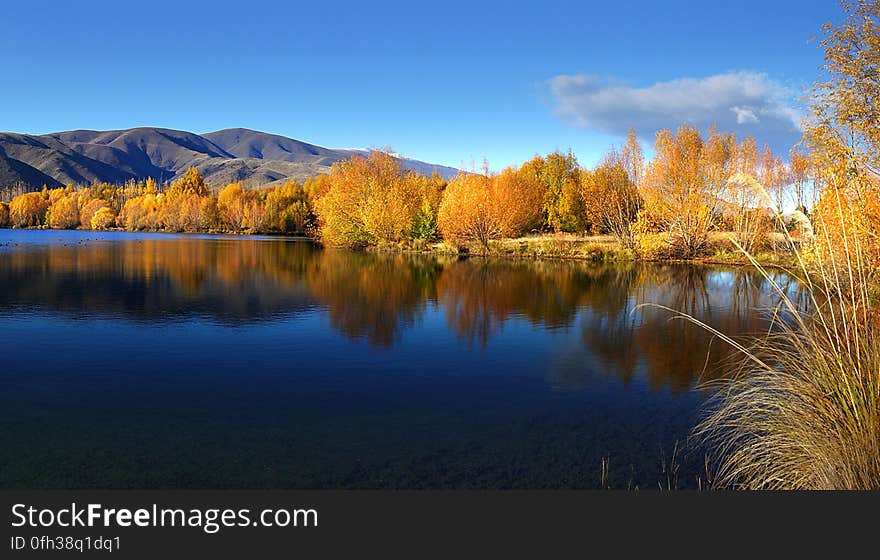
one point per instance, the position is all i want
(231, 204)
(682, 190)
(480, 208)
(140, 213)
(611, 200)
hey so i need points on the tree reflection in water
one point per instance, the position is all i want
(379, 297)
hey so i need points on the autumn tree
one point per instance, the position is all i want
(150, 186)
(191, 183)
(231, 204)
(611, 199)
(113, 195)
(749, 223)
(560, 177)
(681, 195)
(317, 186)
(800, 174)
(843, 133)
(63, 212)
(632, 158)
(103, 218)
(140, 213)
(465, 214)
(90, 208)
(289, 208)
(4, 215)
(29, 209)
(774, 177)
(191, 213)
(516, 201)
(429, 191)
(369, 201)
(733, 170)
(254, 219)
(480, 208)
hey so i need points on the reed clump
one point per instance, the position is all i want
(804, 413)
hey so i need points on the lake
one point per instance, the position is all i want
(165, 361)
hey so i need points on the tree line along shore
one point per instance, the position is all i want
(700, 197)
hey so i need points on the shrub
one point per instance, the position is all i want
(480, 208)
(805, 412)
(140, 213)
(89, 209)
(64, 212)
(288, 209)
(29, 210)
(654, 246)
(103, 218)
(369, 201)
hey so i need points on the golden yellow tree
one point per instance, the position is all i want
(748, 202)
(231, 204)
(369, 201)
(254, 218)
(90, 208)
(632, 158)
(681, 195)
(29, 209)
(774, 177)
(140, 213)
(191, 182)
(64, 211)
(429, 191)
(843, 133)
(801, 174)
(103, 218)
(289, 208)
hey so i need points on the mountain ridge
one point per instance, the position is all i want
(115, 156)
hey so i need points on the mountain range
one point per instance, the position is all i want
(115, 156)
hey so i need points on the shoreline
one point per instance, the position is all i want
(595, 249)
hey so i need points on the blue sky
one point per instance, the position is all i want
(446, 82)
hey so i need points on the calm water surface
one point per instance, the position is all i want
(150, 360)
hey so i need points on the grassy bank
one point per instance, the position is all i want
(603, 249)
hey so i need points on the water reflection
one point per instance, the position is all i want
(379, 298)
(368, 296)
(156, 279)
(639, 336)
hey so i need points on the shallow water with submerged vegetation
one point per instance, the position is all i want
(180, 361)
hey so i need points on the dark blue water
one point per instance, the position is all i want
(162, 361)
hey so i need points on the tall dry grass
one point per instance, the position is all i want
(804, 413)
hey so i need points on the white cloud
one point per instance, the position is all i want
(749, 103)
(745, 115)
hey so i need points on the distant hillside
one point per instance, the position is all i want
(237, 154)
(245, 143)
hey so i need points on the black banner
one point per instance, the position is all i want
(237, 524)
